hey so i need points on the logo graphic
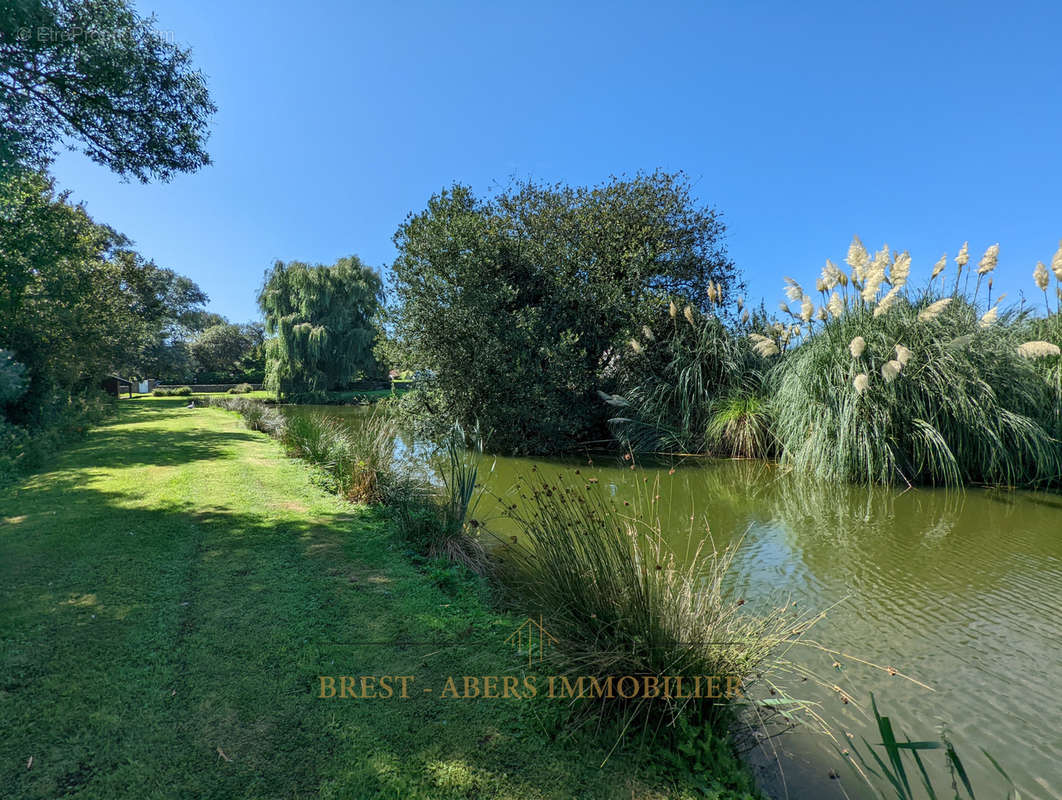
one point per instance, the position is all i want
(528, 632)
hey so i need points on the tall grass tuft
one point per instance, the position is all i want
(360, 458)
(618, 602)
(926, 392)
(256, 415)
(741, 427)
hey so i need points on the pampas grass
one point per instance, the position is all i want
(764, 346)
(890, 370)
(968, 410)
(668, 395)
(939, 266)
(971, 407)
(1041, 277)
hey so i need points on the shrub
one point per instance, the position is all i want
(241, 388)
(60, 419)
(13, 382)
(618, 602)
(180, 391)
(926, 389)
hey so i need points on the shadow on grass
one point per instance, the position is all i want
(175, 650)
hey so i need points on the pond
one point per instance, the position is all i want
(959, 590)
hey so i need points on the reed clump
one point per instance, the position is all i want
(256, 415)
(618, 602)
(360, 463)
(360, 458)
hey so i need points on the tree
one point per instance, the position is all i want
(226, 350)
(515, 305)
(321, 323)
(96, 72)
(75, 301)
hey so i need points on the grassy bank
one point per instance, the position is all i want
(173, 587)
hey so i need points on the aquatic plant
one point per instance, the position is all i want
(741, 427)
(891, 768)
(618, 602)
(457, 536)
(256, 415)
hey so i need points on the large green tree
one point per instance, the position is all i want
(513, 307)
(75, 301)
(96, 72)
(321, 323)
(226, 350)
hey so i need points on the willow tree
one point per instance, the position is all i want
(320, 320)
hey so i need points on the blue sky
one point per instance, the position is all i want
(917, 124)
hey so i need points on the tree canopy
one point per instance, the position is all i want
(76, 302)
(514, 305)
(321, 323)
(96, 72)
(226, 349)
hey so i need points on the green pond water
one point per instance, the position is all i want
(960, 590)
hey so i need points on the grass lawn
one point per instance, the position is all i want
(170, 591)
(335, 398)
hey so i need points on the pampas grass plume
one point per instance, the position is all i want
(988, 260)
(931, 312)
(887, 301)
(1041, 276)
(939, 266)
(858, 258)
(964, 255)
(1038, 349)
(763, 346)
